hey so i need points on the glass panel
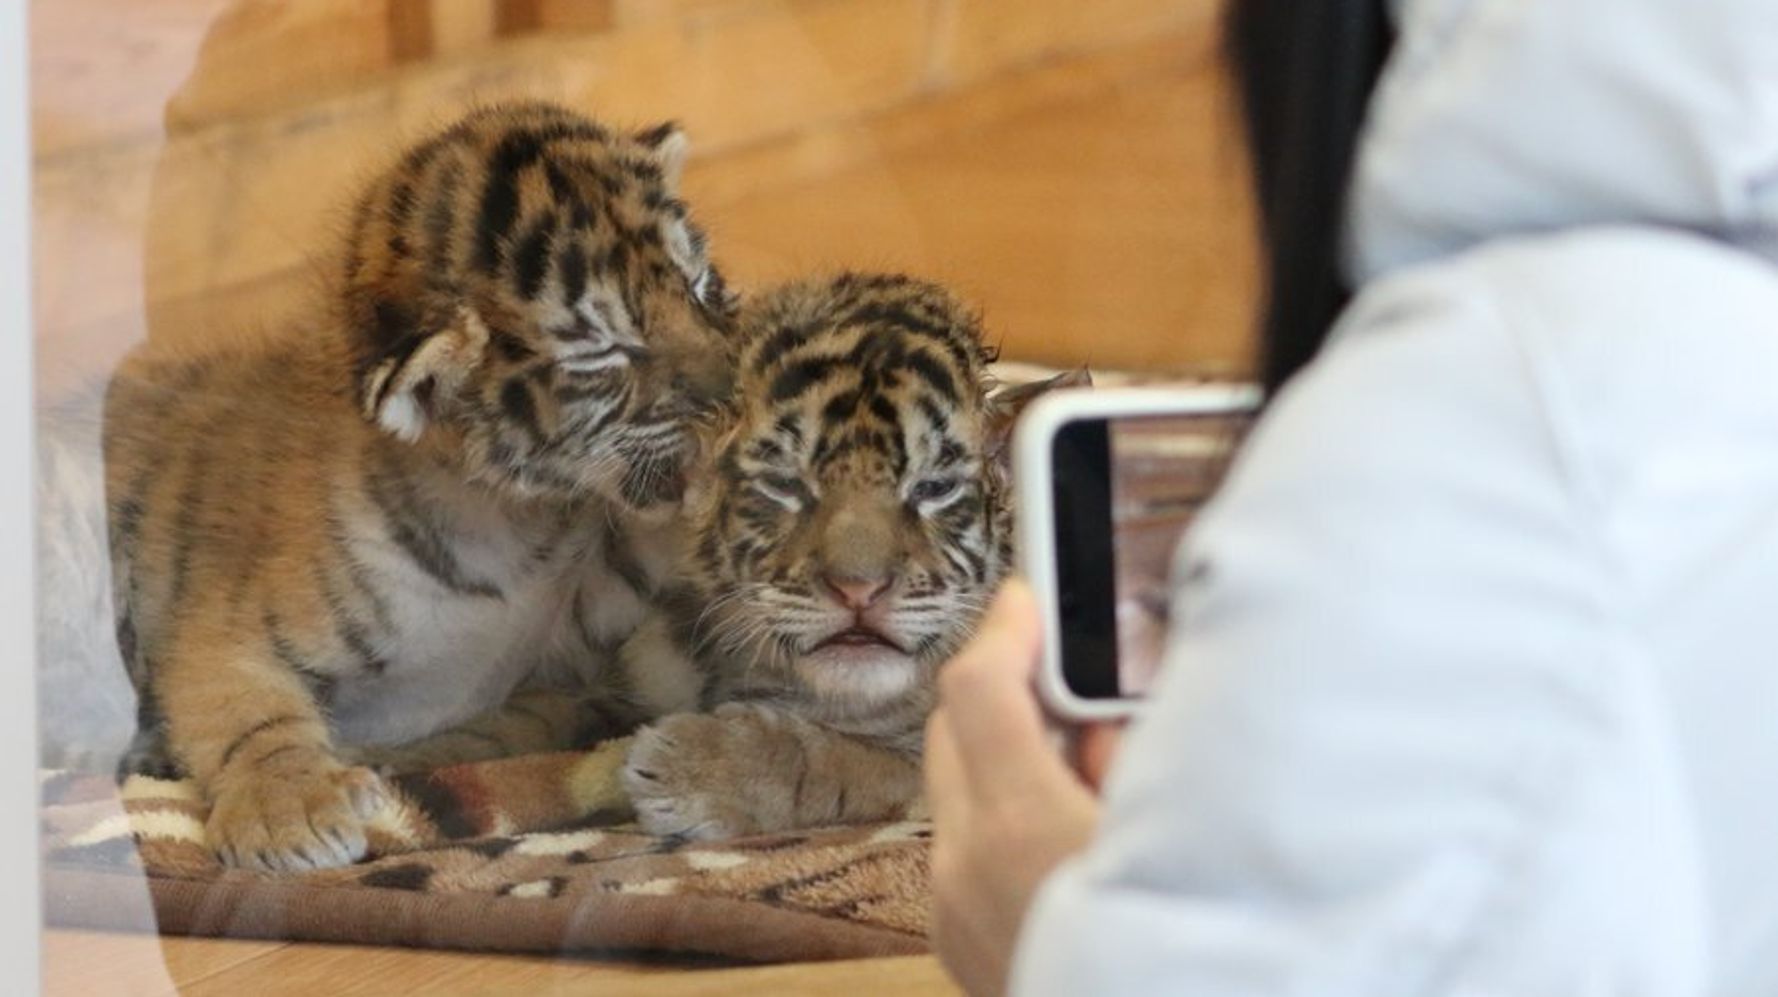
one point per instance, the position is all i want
(1068, 169)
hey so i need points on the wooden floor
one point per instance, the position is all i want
(76, 964)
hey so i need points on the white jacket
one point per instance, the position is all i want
(1478, 693)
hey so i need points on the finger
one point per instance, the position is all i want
(992, 710)
(988, 684)
(1015, 625)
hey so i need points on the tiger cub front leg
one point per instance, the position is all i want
(750, 769)
(250, 733)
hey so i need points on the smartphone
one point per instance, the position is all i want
(1106, 481)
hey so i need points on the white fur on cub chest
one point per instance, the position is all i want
(457, 656)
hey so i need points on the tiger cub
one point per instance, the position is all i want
(457, 482)
(854, 523)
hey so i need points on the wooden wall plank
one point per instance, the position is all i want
(990, 36)
(802, 112)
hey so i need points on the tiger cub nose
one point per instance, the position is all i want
(857, 593)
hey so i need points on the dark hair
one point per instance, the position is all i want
(1304, 70)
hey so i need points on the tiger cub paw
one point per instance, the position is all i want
(300, 809)
(711, 776)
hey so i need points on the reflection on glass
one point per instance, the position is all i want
(1162, 470)
(1064, 167)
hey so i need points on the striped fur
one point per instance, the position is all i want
(852, 527)
(456, 483)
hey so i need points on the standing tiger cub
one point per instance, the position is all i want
(455, 484)
(852, 528)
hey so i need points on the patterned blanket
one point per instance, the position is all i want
(521, 855)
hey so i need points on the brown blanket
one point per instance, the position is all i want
(521, 855)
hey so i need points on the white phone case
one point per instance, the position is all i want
(1035, 510)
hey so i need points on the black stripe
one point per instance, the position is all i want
(392, 322)
(897, 314)
(708, 551)
(788, 425)
(582, 428)
(126, 518)
(253, 732)
(577, 332)
(616, 259)
(509, 346)
(798, 377)
(149, 719)
(760, 516)
(878, 348)
(401, 203)
(583, 387)
(518, 405)
(568, 196)
(348, 629)
(901, 317)
(642, 170)
(530, 262)
(125, 634)
(560, 187)
(840, 408)
(357, 640)
(934, 373)
(356, 571)
(320, 685)
(571, 267)
(398, 356)
(896, 443)
(413, 531)
(500, 195)
(653, 137)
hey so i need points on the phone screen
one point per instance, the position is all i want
(1125, 490)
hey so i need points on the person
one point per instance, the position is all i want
(1471, 686)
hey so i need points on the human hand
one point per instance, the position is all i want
(1006, 808)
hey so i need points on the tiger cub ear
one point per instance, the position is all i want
(403, 392)
(1005, 404)
(669, 146)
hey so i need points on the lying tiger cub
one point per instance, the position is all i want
(854, 524)
(452, 486)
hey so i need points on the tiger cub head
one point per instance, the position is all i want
(526, 292)
(855, 518)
